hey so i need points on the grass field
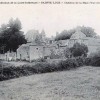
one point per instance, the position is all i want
(79, 84)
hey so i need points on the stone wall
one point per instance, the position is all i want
(92, 49)
(2, 57)
(36, 52)
(23, 53)
(10, 56)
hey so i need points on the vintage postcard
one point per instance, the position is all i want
(49, 50)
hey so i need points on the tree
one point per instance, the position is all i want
(43, 33)
(11, 35)
(79, 50)
(38, 39)
(66, 34)
(63, 35)
(15, 25)
(88, 31)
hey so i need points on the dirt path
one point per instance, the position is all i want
(79, 84)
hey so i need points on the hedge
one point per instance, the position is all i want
(41, 67)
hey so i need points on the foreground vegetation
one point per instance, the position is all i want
(40, 67)
(77, 57)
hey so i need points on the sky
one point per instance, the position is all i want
(52, 17)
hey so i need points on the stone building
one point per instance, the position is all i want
(33, 51)
(48, 47)
(38, 46)
(92, 43)
(79, 37)
(23, 52)
(36, 51)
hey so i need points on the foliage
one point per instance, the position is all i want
(79, 50)
(66, 34)
(38, 39)
(11, 36)
(81, 60)
(68, 64)
(94, 59)
(88, 31)
(11, 71)
(53, 55)
(67, 53)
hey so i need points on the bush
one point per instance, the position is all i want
(10, 71)
(67, 52)
(68, 64)
(87, 61)
(39, 60)
(94, 59)
(81, 60)
(79, 50)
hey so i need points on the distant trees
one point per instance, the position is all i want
(11, 36)
(88, 31)
(38, 39)
(66, 34)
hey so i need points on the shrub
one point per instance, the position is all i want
(87, 61)
(81, 60)
(10, 71)
(95, 61)
(53, 55)
(95, 58)
(39, 60)
(67, 53)
(68, 64)
(79, 50)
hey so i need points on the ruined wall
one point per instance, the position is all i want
(36, 52)
(54, 52)
(23, 53)
(2, 57)
(10, 56)
(93, 49)
(73, 41)
(46, 51)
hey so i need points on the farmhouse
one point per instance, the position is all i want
(92, 42)
(32, 51)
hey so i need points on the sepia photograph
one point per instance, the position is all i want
(50, 50)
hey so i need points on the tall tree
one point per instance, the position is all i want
(11, 35)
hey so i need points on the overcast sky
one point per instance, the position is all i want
(52, 18)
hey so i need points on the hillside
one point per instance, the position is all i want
(80, 84)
